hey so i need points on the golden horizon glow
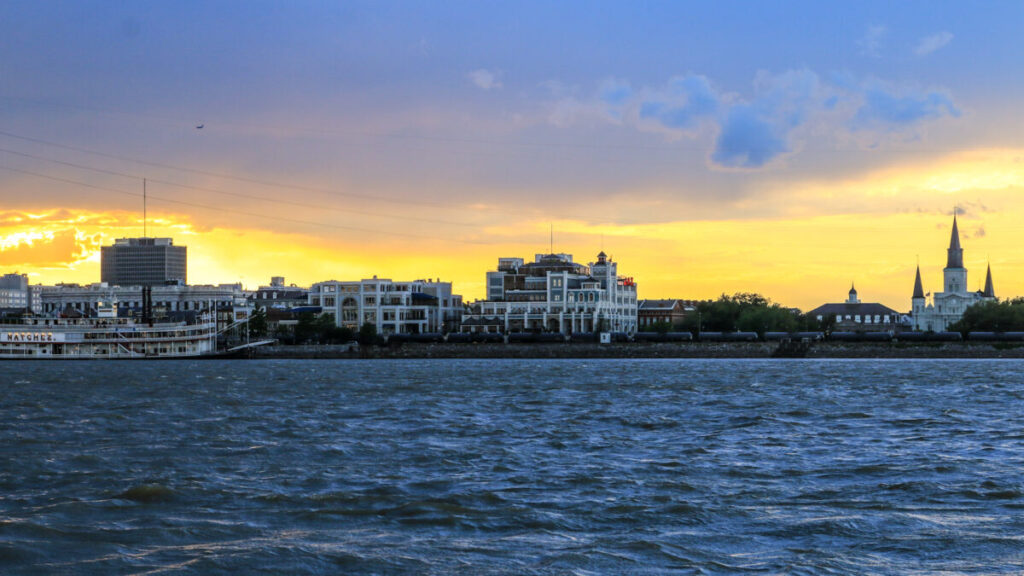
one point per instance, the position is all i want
(875, 229)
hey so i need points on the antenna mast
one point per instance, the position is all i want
(552, 246)
(144, 221)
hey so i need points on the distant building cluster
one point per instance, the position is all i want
(139, 277)
(147, 278)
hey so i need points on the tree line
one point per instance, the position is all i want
(992, 316)
(743, 312)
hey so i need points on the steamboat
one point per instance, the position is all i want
(107, 336)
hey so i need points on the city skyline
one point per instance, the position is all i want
(708, 148)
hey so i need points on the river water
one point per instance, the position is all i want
(512, 467)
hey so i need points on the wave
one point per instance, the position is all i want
(148, 493)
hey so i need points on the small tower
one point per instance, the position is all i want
(917, 300)
(852, 299)
(990, 291)
(954, 274)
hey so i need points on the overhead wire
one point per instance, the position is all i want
(234, 194)
(239, 212)
(219, 175)
(122, 158)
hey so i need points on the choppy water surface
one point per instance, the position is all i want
(512, 467)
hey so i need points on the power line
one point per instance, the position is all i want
(674, 147)
(248, 180)
(217, 175)
(366, 134)
(234, 211)
(235, 194)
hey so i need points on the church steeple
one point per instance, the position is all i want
(955, 254)
(990, 291)
(918, 287)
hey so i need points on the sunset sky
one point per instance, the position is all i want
(782, 148)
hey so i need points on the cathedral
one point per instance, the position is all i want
(948, 306)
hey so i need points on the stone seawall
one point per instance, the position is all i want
(649, 350)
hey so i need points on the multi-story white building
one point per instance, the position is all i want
(416, 307)
(555, 294)
(63, 298)
(949, 305)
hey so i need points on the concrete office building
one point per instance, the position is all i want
(143, 262)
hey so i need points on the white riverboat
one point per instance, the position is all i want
(107, 336)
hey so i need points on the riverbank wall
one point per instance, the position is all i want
(652, 350)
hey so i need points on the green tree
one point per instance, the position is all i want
(340, 335)
(305, 329)
(660, 327)
(323, 327)
(746, 311)
(763, 319)
(285, 334)
(367, 334)
(992, 316)
(258, 323)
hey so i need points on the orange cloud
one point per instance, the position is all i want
(43, 250)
